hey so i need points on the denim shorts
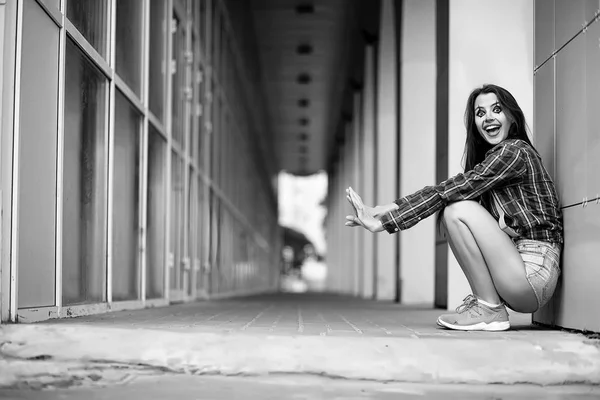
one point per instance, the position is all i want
(541, 261)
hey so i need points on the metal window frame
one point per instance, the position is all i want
(60, 156)
(144, 143)
(14, 234)
(107, 67)
(8, 42)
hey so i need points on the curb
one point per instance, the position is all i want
(432, 360)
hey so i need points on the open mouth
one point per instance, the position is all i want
(492, 130)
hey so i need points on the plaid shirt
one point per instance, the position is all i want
(514, 172)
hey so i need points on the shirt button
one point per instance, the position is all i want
(396, 230)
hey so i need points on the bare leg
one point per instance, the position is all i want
(487, 256)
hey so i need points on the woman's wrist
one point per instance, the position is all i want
(391, 207)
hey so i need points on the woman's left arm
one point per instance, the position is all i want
(503, 163)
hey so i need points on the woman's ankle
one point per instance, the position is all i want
(489, 303)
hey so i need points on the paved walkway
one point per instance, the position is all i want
(295, 315)
(324, 335)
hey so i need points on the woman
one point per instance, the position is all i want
(501, 216)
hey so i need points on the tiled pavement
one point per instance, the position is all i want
(288, 334)
(298, 314)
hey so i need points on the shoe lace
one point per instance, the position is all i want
(468, 303)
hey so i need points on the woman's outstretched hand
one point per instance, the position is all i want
(367, 217)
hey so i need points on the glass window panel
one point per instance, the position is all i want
(37, 159)
(216, 29)
(199, 236)
(125, 194)
(158, 57)
(128, 56)
(222, 275)
(51, 3)
(220, 143)
(193, 113)
(216, 133)
(200, 120)
(202, 26)
(216, 227)
(224, 156)
(183, 233)
(197, 10)
(222, 52)
(177, 187)
(157, 209)
(90, 17)
(84, 203)
(190, 226)
(178, 79)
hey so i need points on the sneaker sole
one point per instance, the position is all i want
(495, 326)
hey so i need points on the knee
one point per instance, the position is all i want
(456, 211)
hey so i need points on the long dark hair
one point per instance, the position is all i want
(476, 146)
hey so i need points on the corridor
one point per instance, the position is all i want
(144, 232)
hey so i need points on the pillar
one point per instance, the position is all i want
(358, 234)
(386, 176)
(366, 184)
(417, 144)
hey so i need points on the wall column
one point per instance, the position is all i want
(358, 234)
(350, 250)
(386, 177)
(366, 184)
(417, 144)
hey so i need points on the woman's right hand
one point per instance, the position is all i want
(376, 211)
(367, 217)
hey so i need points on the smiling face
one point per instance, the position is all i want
(492, 122)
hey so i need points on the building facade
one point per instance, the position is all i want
(131, 138)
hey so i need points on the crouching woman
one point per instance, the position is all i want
(501, 216)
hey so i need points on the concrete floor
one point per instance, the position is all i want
(184, 387)
(291, 347)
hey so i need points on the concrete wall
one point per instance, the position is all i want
(567, 101)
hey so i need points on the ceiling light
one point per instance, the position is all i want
(304, 49)
(303, 102)
(304, 78)
(305, 8)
